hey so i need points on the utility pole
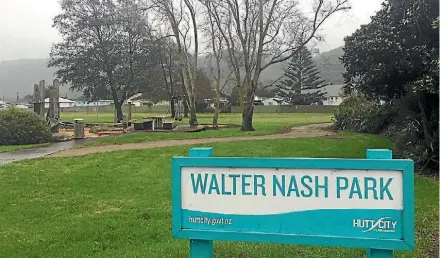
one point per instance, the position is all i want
(18, 96)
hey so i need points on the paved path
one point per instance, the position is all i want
(315, 130)
(32, 153)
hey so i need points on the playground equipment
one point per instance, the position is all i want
(178, 107)
(53, 113)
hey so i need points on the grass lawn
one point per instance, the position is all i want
(263, 123)
(119, 204)
(7, 148)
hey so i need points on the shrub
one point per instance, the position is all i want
(412, 139)
(411, 144)
(18, 126)
(401, 121)
(358, 114)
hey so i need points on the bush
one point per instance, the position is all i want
(409, 135)
(18, 126)
(358, 114)
(411, 144)
(402, 122)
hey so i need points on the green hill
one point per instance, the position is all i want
(328, 63)
(20, 75)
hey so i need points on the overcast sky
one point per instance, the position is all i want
(26, 26)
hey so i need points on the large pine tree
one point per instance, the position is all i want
(302, 83)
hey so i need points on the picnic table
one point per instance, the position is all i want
(157, 121)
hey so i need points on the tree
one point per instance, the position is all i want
(395, 58)
(261, 33)
(218, 49)
(395, 48)
(181, 18)
(106, 50)
(170, 70)
(302, 83)
(204, 87)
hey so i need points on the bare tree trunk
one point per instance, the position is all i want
(192, 112)
(185, 107)
(241, 97)
(119, 114)
(173, 108)
(248, 112)
(217, 107)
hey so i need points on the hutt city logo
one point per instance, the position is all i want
(358, 203)
(384, 224)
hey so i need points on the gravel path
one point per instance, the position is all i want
(314, 130)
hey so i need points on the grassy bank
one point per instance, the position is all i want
(119, 204)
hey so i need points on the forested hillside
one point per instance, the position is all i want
(20, 75)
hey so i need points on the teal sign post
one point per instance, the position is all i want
(360, 203)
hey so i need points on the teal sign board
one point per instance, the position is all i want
(361, 203)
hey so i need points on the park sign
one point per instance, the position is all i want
(360, 203)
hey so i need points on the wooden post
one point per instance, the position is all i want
(51, 103)
(56, 97)
(41, 88)
(379, 154)
(201, 248)
(37, 100)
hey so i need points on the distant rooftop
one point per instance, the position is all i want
(329, 90)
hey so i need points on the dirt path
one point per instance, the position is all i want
(315, 130)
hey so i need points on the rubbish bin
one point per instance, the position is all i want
(78, 126)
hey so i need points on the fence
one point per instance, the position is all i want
(234, 109)
(111, 109)
(289, 109)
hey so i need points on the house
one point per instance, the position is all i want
(333, 94)
(274, 101)
(142, 102)
(3, 104)
(258, 101)
(104, 102)
(24, 106)
(63, 103)
(22, 103)
(211, 102)
(93, 103)
(139, 99)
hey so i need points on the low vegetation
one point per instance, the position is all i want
(18, 126)
(399, 122)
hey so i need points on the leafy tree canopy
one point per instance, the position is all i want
(302, 83)
(399, 46)
(106, 50)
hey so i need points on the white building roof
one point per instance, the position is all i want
(61, 100)
(334, 90)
